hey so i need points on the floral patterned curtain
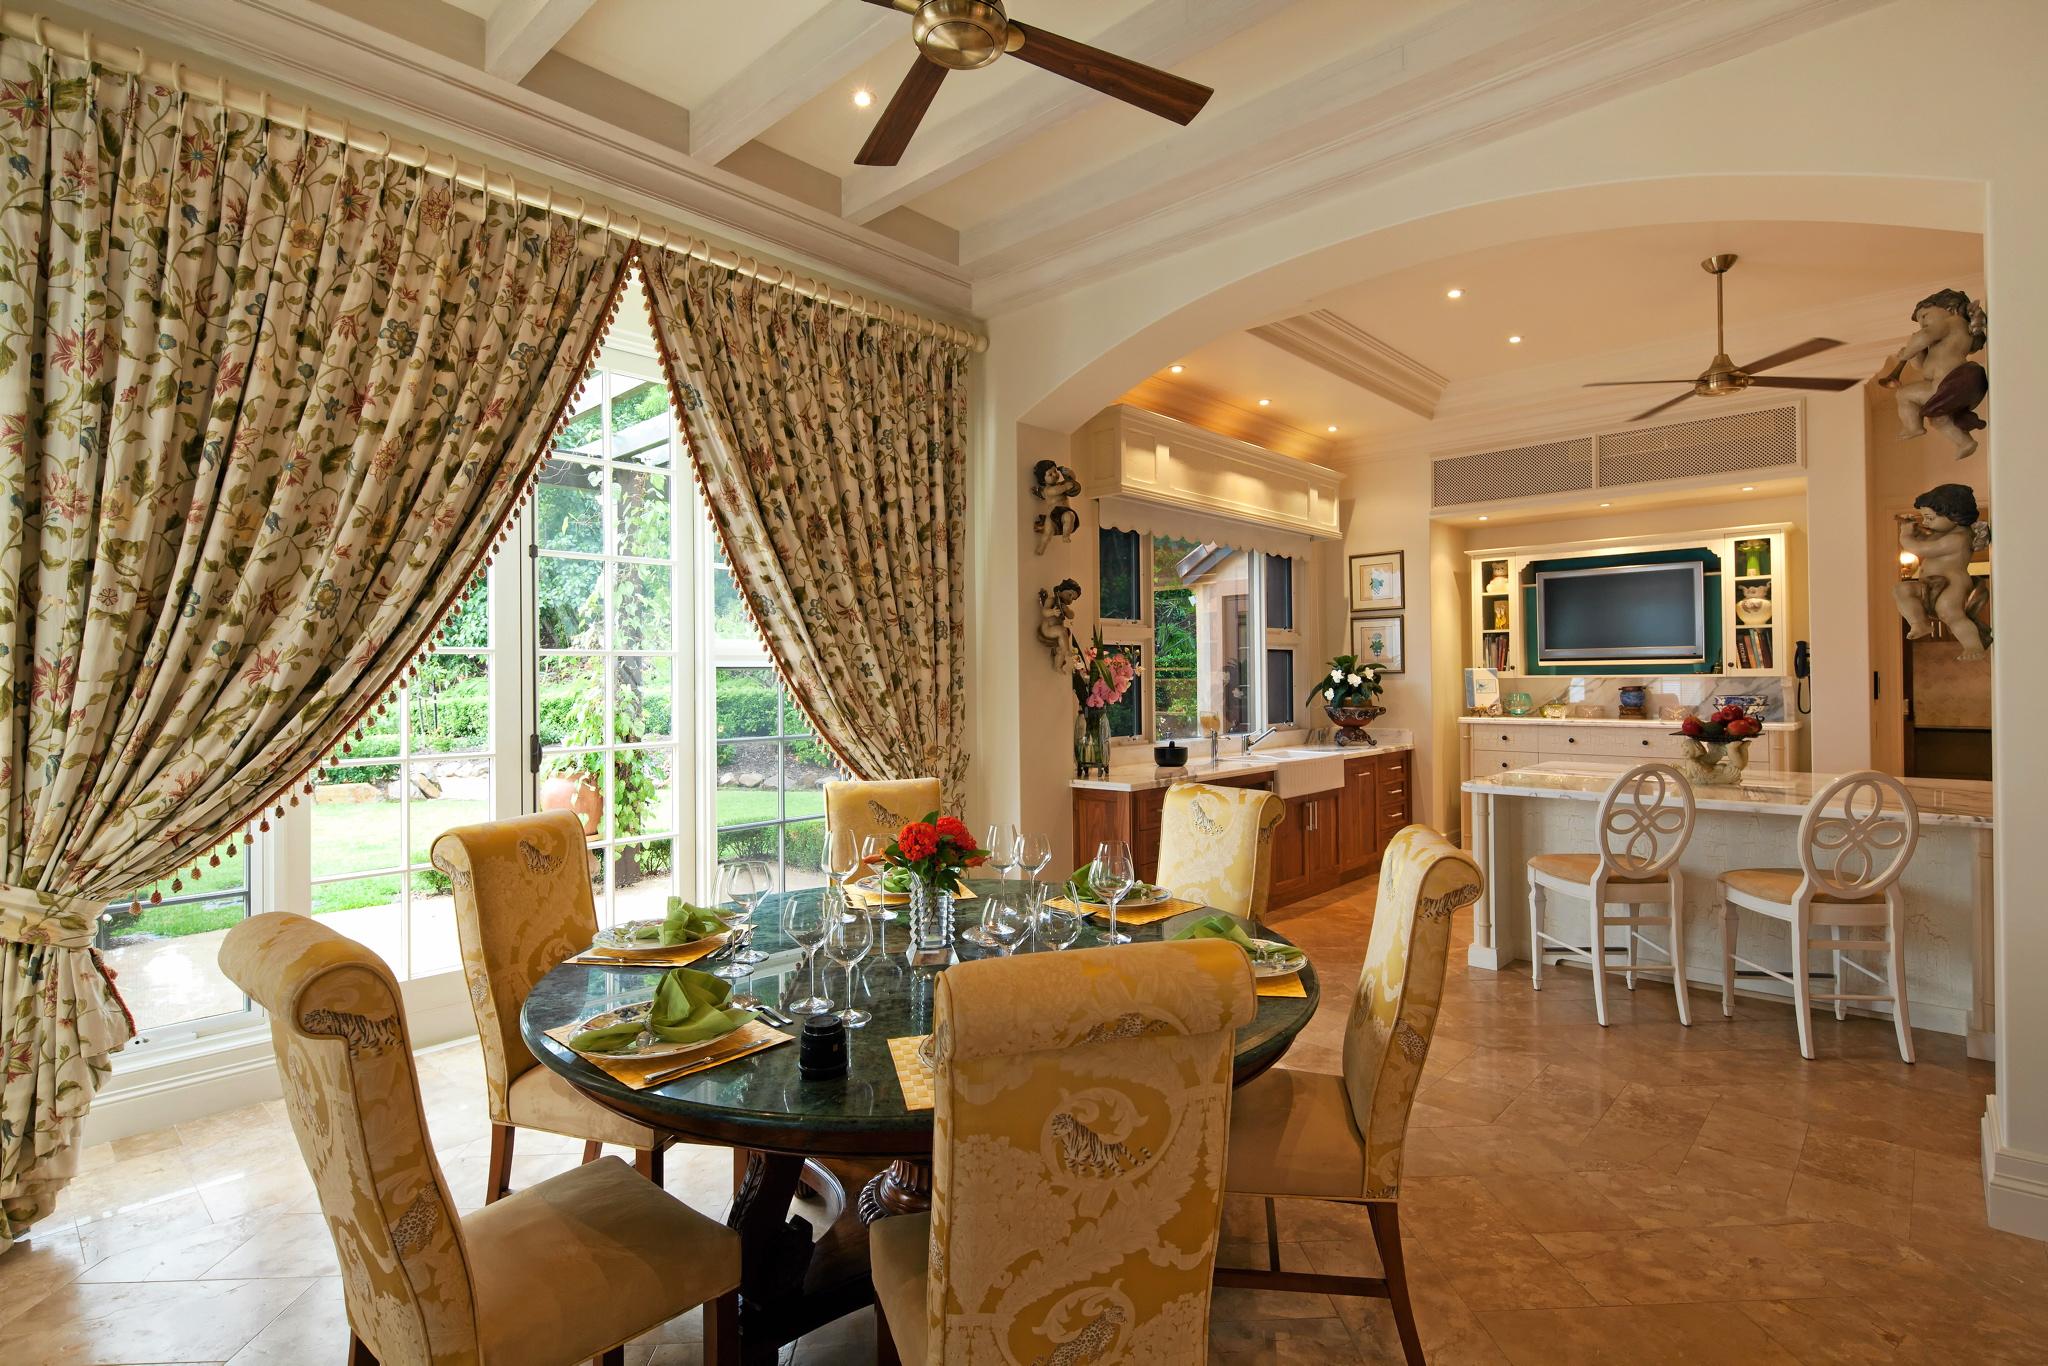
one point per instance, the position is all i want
(265, 403)
(832, 451)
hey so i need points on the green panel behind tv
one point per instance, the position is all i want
(1711, 586)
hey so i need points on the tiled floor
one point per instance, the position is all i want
(1639, 1194)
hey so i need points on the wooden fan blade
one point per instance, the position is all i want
(1652, 412)
(1147, 87)
(1616, 383)
(1811, 347)
(907, 107)
(1787, 382)
(906, 6)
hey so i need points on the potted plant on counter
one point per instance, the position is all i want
(1349, 697)
(1716, 749)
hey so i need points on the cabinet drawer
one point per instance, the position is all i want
(1501, 760)
(1645, 746)
(1492, 738)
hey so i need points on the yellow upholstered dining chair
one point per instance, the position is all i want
(1077, 1154)
(1311, 1135)
(879, 808)
(1216, 846)
(569, 1269)
(522, 906)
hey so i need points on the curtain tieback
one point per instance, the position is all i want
(28, 916)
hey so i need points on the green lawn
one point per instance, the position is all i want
(750, 806)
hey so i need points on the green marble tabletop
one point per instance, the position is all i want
(762, 1098)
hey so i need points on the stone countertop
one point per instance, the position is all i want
(1942, 801)
(1150, 777)
(1597, 721)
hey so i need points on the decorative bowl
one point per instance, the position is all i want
(1172, 754)
(1352, 721)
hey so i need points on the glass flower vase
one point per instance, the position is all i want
(931, 925)
(1091, 743)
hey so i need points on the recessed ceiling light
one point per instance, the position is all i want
(1333, 429)
(1515, 340)
(1482, 516)
(1454, 294)
(1175, 369)
(1607, 505)
(1749, 488)
(863, 97)
(1265, 403)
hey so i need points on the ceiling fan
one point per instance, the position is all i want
(1723, 376)
(960, 35)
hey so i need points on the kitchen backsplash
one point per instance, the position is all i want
(1689, 690)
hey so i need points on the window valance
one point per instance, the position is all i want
(1174, 521)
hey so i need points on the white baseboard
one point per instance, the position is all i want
(1477, 956)
(2015, 1183)
(176, 1083)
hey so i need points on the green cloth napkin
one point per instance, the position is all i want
(688, 1008)
(1223, 927)
(685, 924)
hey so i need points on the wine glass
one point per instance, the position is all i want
(840, 858)
(1033, 853)
(805, 919)
(1006, 923)
(1112, 875)
(872, 848)
(744, 883)
(847, 940)
(1058, 926)
(1001, 845)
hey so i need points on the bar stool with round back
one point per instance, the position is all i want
(1644, 823)
(1855, 840)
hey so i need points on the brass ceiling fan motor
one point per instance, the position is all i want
(961, 35)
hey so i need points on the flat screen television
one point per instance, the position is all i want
(1623, 611)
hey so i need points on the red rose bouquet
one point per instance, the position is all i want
(1729, 724)
(935, 851)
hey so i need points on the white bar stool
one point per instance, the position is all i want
(1644, 822)
(1843, 882)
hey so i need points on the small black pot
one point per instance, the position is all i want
(821, 1048)
(1172, 754)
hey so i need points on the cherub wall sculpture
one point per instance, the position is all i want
(1056, 620)
(1945, 533)
(1951, 385)
(1054, 483)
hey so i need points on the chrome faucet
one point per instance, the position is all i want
(1251, 740)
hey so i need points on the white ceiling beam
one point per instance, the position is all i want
(521, 32)
(1161, 33)
(825, 48)
(1480, 72)
(1340, 347)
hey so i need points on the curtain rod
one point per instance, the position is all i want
(81, 43)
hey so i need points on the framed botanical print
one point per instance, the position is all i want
(1377, 641)
(1377, 583)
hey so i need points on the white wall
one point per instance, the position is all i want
(1851, 139)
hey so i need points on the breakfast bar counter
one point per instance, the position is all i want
(1550, 808)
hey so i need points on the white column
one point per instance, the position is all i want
(1485, 950)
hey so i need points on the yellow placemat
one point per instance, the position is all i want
(911, 1074)
(1145, 915)
(1289, 985)
(641, 1073)
(680, 956)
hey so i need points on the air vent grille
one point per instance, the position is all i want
(1767, 439)
(1524, 472)
(1759, 441)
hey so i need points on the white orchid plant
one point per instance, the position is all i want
(1348, 684)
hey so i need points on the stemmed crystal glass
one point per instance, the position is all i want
(805, 919)
(847, 940)
(1054, 924)
(744, 883)
(840, 858)
(1033, 853)
(1006, 923)
(1111, 874)
(1001, 844)
(871, 849)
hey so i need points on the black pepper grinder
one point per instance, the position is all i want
(821, 1049)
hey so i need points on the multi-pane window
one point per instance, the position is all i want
(164, 953)
(1217, 624)
(423, 767)
(606, 521)
(768, 767)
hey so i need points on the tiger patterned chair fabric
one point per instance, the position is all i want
(1317, 1136)
(522, 905)
(569, 1269)
(1082, 1101)
(1216, 846)
(879, 808)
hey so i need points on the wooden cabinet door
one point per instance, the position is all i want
(1358, 824)
(1290, 846)
(1319, 838)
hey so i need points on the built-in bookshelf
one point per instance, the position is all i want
(1745, 565)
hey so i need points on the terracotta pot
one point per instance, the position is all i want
(575, 792)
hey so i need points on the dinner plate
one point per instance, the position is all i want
(1159, 897)
(871, 888)
(1263, 969)
(660, 1048)
(619, 939)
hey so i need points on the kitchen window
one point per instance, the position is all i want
(1212, 625)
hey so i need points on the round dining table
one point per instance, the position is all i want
(802, 1143)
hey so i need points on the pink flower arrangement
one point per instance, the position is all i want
(1101, 676)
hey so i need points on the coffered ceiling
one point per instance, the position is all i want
(738, 119)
